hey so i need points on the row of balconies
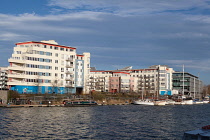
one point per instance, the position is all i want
(146, 81)
(146, 88)
(22, 60)
(3, 80)
(146, 77)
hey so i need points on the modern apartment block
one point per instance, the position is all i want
(3, 78)
(154, 80)
(46, 67)
(187, 84)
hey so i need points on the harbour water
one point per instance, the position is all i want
(111, 122)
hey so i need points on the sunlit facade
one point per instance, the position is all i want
(154, 80)
(46, 67)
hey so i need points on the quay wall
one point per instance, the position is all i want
(114, 101)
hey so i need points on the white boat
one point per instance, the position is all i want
(188, 102)
(205, 101)
(198, 102)
(170, 102)
(143, 102)
(179, 103)
(200, 134)
(160, 102)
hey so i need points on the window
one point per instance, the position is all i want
(56, 54)
(56, 68)
(56, 61)
(18, 52)
(41, 53)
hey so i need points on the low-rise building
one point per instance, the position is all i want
(187, 84)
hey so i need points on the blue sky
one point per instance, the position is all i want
(117, 33)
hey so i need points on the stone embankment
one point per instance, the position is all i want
(56, 104)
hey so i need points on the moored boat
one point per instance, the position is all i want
(160, 102)
(196, 101)
(80, 103)
(143, 102)
(206, 100)
(170, 102)
(188, 102)
(179, 103)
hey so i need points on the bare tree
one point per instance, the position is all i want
(206, 90)
(56, 86)
(38, 82)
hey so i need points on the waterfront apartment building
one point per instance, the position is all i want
(188, 84)
(3, 78)
(154, 80)
(46, 67)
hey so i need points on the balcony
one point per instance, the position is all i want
(16, 68)
(69, 66)
(16, 60)
(20, 76)
(16, 83)
(69, 72)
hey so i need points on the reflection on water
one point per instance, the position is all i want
(102, 122)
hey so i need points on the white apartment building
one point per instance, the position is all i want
(99, 80)
(46, 67)
(154, 80)
(165, 79)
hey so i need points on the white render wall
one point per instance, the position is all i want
(58, 59)
(57, 64)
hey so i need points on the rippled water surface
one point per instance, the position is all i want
(102, 122)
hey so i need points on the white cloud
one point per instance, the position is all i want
(199, 65)
(127, 7)
(7, 36)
